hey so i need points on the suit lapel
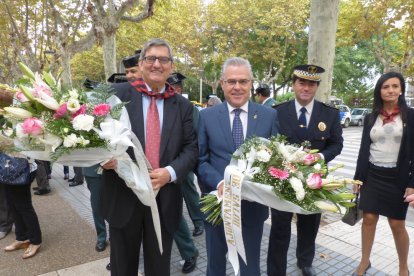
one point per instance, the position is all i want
(292, 118)
(170, 114)
(252, 120)
(136, 115)
(223, 120)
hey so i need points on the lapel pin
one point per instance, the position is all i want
(322, 126)
(255, 116)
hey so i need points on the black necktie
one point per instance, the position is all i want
(237, 130)
(302, 123)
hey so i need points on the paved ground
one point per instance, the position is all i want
(338, 245)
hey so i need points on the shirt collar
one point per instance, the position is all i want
(244, 107)
(309, 106)
(150, 89)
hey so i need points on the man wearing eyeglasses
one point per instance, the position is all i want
(162, 121)
(221, 130)
(303, 119)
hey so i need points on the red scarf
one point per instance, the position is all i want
(388, 118)
(141, 87)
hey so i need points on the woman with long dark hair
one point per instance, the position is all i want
(384, 167)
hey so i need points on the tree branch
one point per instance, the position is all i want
(146, 12)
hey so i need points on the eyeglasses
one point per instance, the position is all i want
(152, 59)
(231, 82)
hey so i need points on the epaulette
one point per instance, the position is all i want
(330, 105)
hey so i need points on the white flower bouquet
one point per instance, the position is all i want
(72, 127)
(284, 177)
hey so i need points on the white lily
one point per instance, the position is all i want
(18, 112)
(47, 101)
(326, 206)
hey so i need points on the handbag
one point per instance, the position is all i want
(354, 214)
(14, 170)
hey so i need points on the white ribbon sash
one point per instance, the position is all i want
(231, 212)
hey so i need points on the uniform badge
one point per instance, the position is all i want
(321, 126)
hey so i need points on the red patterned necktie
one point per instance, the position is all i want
(153, 135)
(153, 127)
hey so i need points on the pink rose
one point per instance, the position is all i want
(314, 181)
(32, 126)
(61, 111)
(21, 97)
(82, 110)
(309, 159)
(101, 110)
(277, 173)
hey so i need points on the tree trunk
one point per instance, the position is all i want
(109, 53)
(66, 73)
(321, 48)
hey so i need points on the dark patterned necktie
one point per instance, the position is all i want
(302, 123)
(237, 130)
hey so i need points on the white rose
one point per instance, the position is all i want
(83, 122)
(263, 156)
(317, 166)
(73, 94)
(73, 105)
(298, 187)
(82, 141)
(70, 141)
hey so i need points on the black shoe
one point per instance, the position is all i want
(72, 179)
(66, 176)
(189, 265)
(308, 271)
(198, 230)
(108, 267)
(74, 183)
(42, 192)
(366, 269)
(35, 188)
(100, 246)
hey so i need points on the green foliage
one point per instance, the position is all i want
(285, 97)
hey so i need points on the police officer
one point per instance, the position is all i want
(303, 119)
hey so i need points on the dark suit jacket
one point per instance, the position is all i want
(178, 149)
(216, 147)
(405, 155)
(328, 141)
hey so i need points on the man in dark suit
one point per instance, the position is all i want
(217, 139)
(162, 121)
(182, 236)
(303, 119)
(263, 95)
